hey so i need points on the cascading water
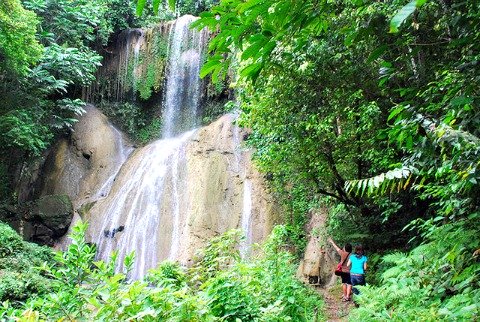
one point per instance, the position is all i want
(246, 218)
(136, 57)
(182, 97)
(123, 151)
(144, 213)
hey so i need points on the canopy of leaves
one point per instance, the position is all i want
(19, 48)
(380, 95)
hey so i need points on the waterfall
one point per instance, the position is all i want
(145, 213)
(136, 57)
(138, 217)
(246, 221)
(246, 216)
(183, 85)
(121, 157)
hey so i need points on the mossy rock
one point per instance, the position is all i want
(85, 208)
(55, 212)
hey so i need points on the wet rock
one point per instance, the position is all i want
(54, 212)
(42, 221)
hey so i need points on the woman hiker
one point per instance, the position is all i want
(345, 275)
(358, 266)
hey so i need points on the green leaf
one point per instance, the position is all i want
(209, 67)
(140, 6)
(171, 4)
(377, 53)
(404, 13)
(461, 100)
(395, 112)
(253, 50)
(251, 71)
(156, 5)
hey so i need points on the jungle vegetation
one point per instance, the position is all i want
(369, 109)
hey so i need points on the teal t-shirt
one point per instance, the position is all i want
(357, 264)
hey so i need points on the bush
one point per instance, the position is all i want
(435, 281)
(220, 287)
(19, 275)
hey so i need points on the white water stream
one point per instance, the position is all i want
(123, 151)
(136, 58)
(183, 83)
(147, 207)
(143, 214)
(246, 221)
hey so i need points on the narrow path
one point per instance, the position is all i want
(335, 309)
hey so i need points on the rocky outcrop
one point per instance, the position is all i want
(84, 165)
(173, 195)
(221, 177)
(54, 212)
(319, 261)
(42, 221)
(80, 168)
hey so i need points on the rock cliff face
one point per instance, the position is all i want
(173, 195)
(83, 166)
(42, 221)
(224, 189)
(168, 198)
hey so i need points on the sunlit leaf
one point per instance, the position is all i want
(403, 14)
(140, 7)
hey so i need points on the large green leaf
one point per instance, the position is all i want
(209, 67)
(404, 13)
(156, 5)
(140, 6)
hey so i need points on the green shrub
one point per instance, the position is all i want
(437, 281)
(10, 241)
(19, 275)
(219, 287)
(150, 131)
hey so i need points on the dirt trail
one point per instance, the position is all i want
(335, 309)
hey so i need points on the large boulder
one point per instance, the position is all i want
(318, 262)
(81, 166)
(54, 212)
(42, 221)
(84, 165)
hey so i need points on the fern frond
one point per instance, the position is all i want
(394, 180)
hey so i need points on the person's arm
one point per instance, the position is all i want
(349, 263)
(365, 266)
(334, 245)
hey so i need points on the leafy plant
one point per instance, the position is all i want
(18, 267)
(219, 287)
(19, 49)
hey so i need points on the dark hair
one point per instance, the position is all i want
(359, 249)
(348, 247)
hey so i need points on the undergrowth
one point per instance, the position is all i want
(219, 287)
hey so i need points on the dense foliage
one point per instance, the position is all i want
(219, 287)
(20, 278)
(19, 47)
(367, 107)
(372, 108)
